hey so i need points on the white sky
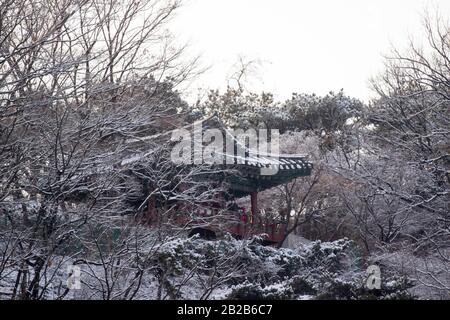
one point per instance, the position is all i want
(307, 45)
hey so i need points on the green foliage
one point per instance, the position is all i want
(322, 270)
(302, 286)
(251, 291)
(393, 288)
(238, 109)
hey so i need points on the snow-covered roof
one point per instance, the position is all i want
(242, 157)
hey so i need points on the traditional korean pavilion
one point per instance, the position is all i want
(253, 172)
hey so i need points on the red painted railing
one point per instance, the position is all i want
(248, 225)
(239, 223)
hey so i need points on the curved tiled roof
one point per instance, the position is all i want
(257, 170)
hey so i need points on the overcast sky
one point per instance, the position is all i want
(305, 46)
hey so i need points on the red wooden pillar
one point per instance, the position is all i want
(254, 203)
(151, 218)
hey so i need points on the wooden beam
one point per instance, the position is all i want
(254, 204)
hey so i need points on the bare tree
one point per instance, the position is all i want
(77, 79)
